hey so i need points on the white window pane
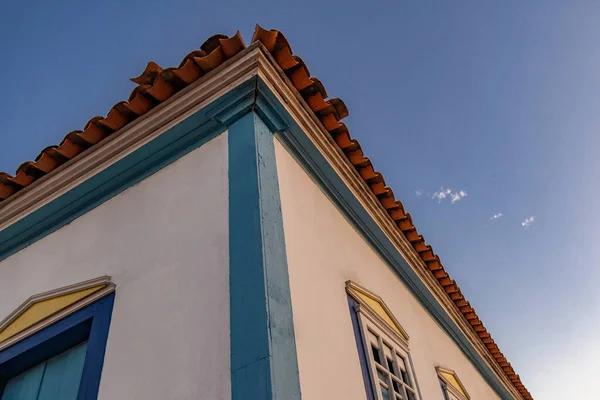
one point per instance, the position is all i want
(376, 354)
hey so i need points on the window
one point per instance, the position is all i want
(385, 347)
(52, 347)
(452, 387)
(389, 366)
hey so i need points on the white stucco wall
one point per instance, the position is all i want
(323, 252)
(164, 241)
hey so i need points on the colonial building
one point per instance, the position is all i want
(220, 235)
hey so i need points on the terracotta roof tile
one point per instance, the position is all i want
(156, 85)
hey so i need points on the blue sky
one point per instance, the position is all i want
(498, 99)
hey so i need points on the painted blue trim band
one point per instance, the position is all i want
(250, 365)
(263, 347)
(90, 323)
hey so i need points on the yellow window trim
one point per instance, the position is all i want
(42, 309)
(377, 305)
(451, 379)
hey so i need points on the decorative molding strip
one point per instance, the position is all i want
(89, 292)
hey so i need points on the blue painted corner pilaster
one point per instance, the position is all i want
(263, 348)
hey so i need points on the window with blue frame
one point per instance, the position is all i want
(382, 347)
(61, 361)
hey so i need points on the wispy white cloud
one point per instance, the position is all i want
(496, 216)
(419, 192)
(448, 193)
(442, 194)
(528, 221)
(456, 196)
